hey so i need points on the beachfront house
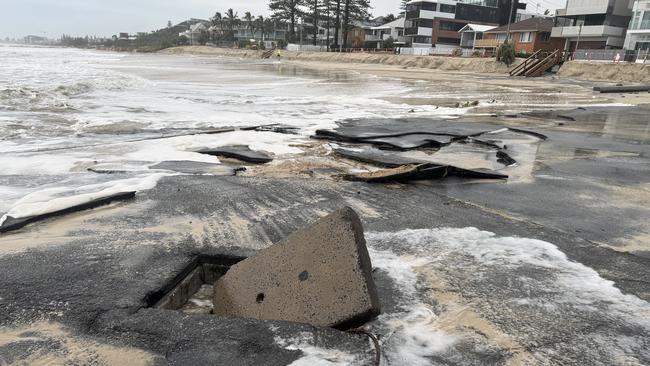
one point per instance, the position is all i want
(593, 24)
(528, 36)
(638, 35)
(194, 32)
(393, 30)
(471, 33)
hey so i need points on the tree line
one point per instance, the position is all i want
(336, 15)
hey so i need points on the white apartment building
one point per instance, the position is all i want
(593, 24)
(638, 34)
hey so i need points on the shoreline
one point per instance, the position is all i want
(571, 70)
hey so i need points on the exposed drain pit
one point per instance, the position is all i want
(191, 290)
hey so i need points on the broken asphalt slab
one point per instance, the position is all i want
(93, 279)
(11, 223)
(320, 275)
(405, 169)
(239, 152)
(427, 171)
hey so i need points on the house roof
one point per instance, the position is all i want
(198, 27)
(397, 23)
(528, 25)
(476, 28)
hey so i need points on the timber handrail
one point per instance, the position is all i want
(523, 65)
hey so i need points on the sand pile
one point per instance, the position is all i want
(606, 71)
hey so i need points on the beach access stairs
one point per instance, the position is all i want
(537, 64)
(268, 54)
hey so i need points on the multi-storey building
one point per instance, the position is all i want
(437, 22)
(593, 24)
(638, 34)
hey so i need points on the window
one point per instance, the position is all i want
(444, 8)
(546, 37)
(451, 26)
(526, 37)
(501, 37)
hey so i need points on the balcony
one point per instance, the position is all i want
(488, 43)
(587, 31)
(640, 26)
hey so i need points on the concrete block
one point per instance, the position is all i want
(320, 275)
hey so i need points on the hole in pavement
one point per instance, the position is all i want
(191, 290)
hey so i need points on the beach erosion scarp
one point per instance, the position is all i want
(480, 65)
(579, 70)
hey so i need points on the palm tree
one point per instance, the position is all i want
(217, 21)
(248, 17)
(259, 25)
(233, 20)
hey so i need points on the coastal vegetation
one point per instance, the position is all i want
(298, 20)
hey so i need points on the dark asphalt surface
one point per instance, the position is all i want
(96, 282)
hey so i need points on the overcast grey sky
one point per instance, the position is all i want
(107, 17)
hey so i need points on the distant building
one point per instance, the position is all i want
(638, 35)
(392, 30)
(528, 36)
(35, 40)
(438, 22)
(593, 24)
(194, 32)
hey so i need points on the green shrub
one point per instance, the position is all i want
(388, 43)
(282, 44)
(477, 54)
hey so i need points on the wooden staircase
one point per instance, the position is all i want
(268, 54)
(537, 64)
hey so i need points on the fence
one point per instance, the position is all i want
(619, 55)
(306, 47)
(640, 56)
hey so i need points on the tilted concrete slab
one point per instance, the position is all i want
(320, 275)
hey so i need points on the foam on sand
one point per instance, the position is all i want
(55, 199)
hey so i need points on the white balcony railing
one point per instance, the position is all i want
(587, 31)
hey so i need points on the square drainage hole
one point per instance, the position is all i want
(191, 290)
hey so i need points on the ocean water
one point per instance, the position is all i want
(63, 111)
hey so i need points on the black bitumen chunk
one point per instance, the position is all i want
(12, 223)
(276, 128)
(424, 169)
(425, 172)
(239, 152)
(378, 158)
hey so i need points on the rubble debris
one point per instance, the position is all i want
(239, 152)
(505, 159)
(320, 275)
(426, 171)
(12, 223)
(411, 142)
(276, 128)
(195, 167)
(377, 157)
(362, 130)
